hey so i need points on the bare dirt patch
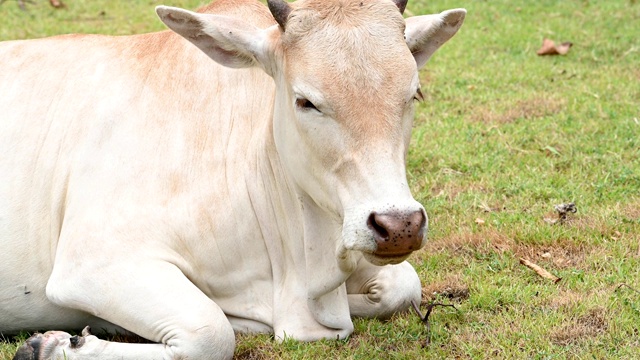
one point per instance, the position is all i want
(586, 326)
(533, 108)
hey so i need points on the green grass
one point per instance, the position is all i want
(503, 136)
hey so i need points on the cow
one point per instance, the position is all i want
(254, 182)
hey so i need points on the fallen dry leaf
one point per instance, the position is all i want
(550, 48)
(57, 4)
(539, 270)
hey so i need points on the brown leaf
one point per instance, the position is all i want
(57, 4)
(550, 48)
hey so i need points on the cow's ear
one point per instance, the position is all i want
(425, 34)
(229, 41)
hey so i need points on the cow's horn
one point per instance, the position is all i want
(280, 10)
(401, 4)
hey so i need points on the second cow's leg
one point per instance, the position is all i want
(153, 299)
(380, 291)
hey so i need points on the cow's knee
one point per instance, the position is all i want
(211, 341)
(384, 291)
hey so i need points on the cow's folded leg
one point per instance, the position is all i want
(61, 345)
(152, 299)
(381, 291)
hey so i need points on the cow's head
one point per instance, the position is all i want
(346, 74)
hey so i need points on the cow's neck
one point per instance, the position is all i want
(301, 241)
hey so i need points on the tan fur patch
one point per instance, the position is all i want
(249, 10)
(367, 95)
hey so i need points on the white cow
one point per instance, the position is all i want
(146, 188)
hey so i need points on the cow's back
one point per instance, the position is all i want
(87, 122)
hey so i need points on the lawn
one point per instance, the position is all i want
(502, 136)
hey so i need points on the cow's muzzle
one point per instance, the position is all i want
(397, 233)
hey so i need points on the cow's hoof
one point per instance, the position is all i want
(43, 346)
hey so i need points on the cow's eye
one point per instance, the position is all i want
(305, 104)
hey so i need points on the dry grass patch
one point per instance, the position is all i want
(587, 326)
(533, 108)
(566, 299)
(452, 288)
(468, 243)
(257, 351)
(587, 223)
(560, 254)
(632, 210)
(569, 300)
(486, 337)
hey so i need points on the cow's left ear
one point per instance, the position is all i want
(426, 33)
(228, 41)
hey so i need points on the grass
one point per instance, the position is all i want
(502, 137)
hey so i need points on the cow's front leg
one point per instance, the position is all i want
(151, 298)
(381, 291)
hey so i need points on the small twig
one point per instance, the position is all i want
(539, 270)
(625, 285)
(425, 318)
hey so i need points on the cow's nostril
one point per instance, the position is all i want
(380, 232)
(397, 233)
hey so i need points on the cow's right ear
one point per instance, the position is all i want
(228, 41)
(425, 34)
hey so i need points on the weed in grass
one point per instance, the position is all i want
(9, 346)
